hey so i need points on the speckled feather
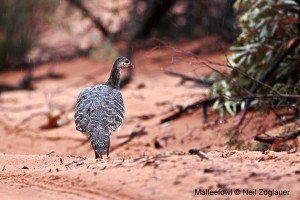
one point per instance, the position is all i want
(99, 110)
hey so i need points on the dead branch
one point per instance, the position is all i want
(193, 106)
(51, 54)
(184, 77)
(287, 49)
(133, 134)
(207, 63)
(199, 152)
(141, 117)
(274, 141)
(97, 22)
(26, 82)
(255, 85)
(48, 154)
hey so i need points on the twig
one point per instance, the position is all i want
(205, 83)
(48, 154)
(290, 46)
(199, 152)
(132, 135)
(205, 62)
(26, 82)
(78, 4)
(193, 106)
(32, 116)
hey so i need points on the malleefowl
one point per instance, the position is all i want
(99, 109)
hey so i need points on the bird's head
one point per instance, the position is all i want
(122, 62)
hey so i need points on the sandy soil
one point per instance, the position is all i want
(58, 163)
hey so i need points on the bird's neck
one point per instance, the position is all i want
(114, 78)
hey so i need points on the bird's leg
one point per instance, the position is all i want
(107, 150)
(97, 155)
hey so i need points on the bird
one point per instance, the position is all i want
(99, 109)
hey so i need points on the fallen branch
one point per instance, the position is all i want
(26, 82)
(184, 77)
(199, 152)
(193, 106)
(63, 52)
(48, 154)
(132, 135)
(274, 141)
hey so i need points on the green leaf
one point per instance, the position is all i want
(228, 105)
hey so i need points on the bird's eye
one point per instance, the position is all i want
(126, 61)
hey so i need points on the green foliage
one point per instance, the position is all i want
(262, 147)
(266, 26)
(221, 105)
(234, 141)
(20, 24)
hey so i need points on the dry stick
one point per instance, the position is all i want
(194, 106)
(287, 49)
(48, 154)
(133, 134)
(231, 81)
(199, 152)
(262, 96)
(78, 4)
(54, 55)
(276, 140)
(25, 82)
(206, 63)
(205, 83)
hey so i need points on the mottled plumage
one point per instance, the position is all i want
(99, 109)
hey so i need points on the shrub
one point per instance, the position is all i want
(20, 24)
(266, 26)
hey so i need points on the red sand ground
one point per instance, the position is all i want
(58, 163)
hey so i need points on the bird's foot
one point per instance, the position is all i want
(97, 156)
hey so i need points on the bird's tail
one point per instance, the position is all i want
(100, 141)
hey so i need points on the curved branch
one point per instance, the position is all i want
(78, 4)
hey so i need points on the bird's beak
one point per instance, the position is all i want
(129, 65)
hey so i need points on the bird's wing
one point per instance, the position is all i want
(118, 109)
(94, 99)
(81, 109)
(98, 111)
